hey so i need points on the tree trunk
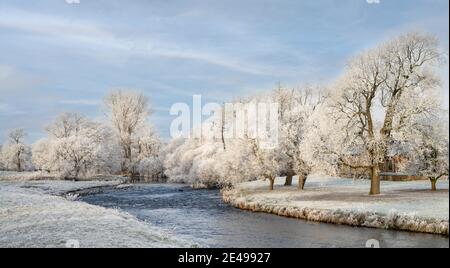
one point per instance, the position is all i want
(77, 172)
(375, 180)
(19, 166)
(289, 176)
(126, 168)
(272, 182)
(223, 129)
(433, 185)
(301, 181)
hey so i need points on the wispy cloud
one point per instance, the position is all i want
(57, 57)
(94, 35)
(14, 81)
(9, 110)
(37, 23)
(82, 102)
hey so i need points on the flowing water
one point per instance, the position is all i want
(202, 217)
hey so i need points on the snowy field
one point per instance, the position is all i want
(32, 215)
(402, 205)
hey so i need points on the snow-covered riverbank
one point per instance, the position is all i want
(35, 214)
(408, 206)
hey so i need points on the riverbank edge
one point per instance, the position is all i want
(392, 221)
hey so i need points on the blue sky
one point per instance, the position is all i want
(57, 57)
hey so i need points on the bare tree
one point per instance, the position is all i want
(15, 153)
(267, 160)
(16, 136)
(295, 114)
(77, 148)
(128, 112)
(430, 149)
(380, 79)
(66, 125)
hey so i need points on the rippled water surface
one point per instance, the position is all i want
(201, 216)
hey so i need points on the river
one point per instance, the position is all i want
(202, 217)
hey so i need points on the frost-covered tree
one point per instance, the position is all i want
(128, 112)
(381, 97)
(194, 161)
(429, 149)
(173, 166)
(206, 162)
(287, 102)
(268, 160)
(2, 165)
(296, 108)
(324, 141)
(74, 156)
(221, 157)
(16, 154)
(43, 156)
(77, 147)
(66, 124)
(382, 81)
(435, 157)
(149, 156)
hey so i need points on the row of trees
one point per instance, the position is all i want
(223, 159)
(78, 147)
(386, 103)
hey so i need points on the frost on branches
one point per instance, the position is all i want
(15, 155)
(386, 104)
(223, 158)
(76, 148)
(140, 150)
(429, 155)
(379, 108)
(385, 93)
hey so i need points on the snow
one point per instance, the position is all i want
(66, 187)
(31, 217)
(338, 200)
(14, 176)
(25, 176)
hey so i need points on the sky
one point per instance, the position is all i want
(66, 55)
